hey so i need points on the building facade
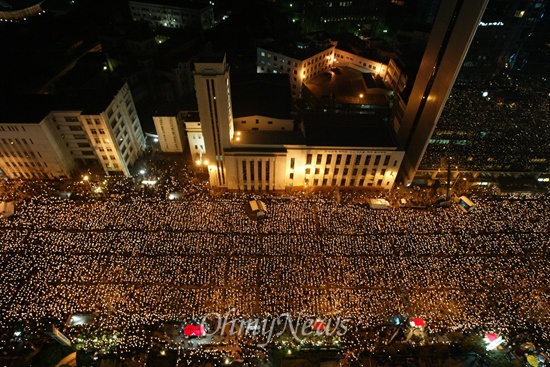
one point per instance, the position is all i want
(300, 64)
(171, 133)
(324, 151)
(105, 132)
(34, 150)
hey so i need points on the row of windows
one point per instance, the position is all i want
(348, 158)
(12, 128)
(19, 154)
(25, 164)
(343, 182)
(261, 169)
(10, 141)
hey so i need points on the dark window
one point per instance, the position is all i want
(338, 159)
(386, 160)
(319, 158)
(348, 159)
(329, 158)
(75, 128)
(357, 159)
(377, 160)
(292, 162)
(308, 158)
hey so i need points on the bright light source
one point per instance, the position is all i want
(156, 140)
(142, 171)
(86, 178)
(361, 95)
(150, 183)
(493, 344)
(198, 161)
(484, 94)
(206, 161)
(105, 67)
(17, 333)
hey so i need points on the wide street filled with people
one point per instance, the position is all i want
(501, 125)
(137, 259)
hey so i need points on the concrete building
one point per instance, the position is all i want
(100, 128)
(173, 13)
(322, 149)
(452, 33)
(300, 62)
(192, 123)
(309, 59)
(30, 145)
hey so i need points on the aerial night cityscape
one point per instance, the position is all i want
(274, 183)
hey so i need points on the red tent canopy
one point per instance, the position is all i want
(419, 322)
(194, 330)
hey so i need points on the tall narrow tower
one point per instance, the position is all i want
(213, 92)
(452, 33)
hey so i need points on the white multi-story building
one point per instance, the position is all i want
(171, 131)
(330, 150)
(31, 147)
(299, 63)
(303, 63)
(194, 134)
(102, 128)
(173, 13)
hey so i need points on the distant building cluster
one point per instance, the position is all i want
(173, 14)
(45, 136)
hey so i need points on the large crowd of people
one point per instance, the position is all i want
(139, 260)
(501, 126)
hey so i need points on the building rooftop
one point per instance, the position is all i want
(254, 138)
(261, 94)
(181, 4)
(347, 86)
(294, 51)
(348, 130)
